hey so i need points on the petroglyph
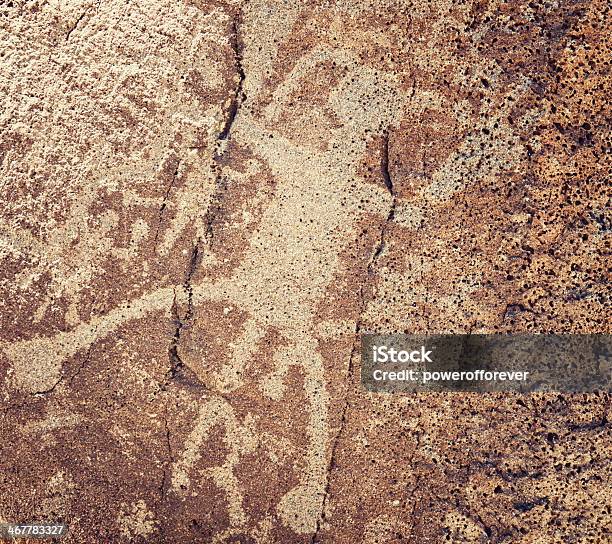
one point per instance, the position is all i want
(202, 206)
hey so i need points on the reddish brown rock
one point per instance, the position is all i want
(204, 204)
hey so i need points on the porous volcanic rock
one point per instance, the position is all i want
(204, 204)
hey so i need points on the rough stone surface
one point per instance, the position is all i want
(204, 203)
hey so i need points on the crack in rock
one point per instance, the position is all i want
(76, 24)
(343, 420)
(178, 370)
(388, 181)
(162, 208)
(63, 377)
(238, 98)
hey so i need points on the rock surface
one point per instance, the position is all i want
(203, 204)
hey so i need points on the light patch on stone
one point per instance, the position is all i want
(299, 508)
(54, 420)
(37, 362)
(136, 520)
(408, 215)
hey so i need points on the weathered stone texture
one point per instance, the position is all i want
(204, 203)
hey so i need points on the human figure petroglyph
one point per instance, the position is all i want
(311, 183)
